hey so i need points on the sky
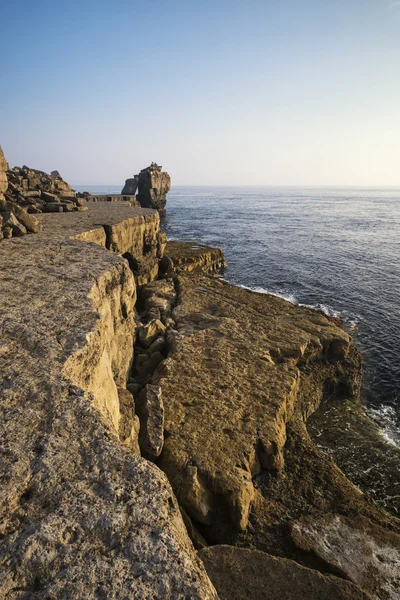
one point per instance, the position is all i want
(222, 92)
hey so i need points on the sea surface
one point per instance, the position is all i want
(337, 250)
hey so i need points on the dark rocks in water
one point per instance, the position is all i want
(152, 184)
(130, 186)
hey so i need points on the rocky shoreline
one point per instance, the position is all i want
(151, 410)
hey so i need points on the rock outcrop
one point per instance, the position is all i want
(82, 516)
(188, 256)
(243, 373)
(152, 185)
(119, 363)
(240, 574)
(230, 386)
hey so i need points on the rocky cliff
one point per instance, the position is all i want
(148, 407)
(82, 515)
(152, 185)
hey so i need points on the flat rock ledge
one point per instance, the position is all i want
(188, 256)
(81, 515)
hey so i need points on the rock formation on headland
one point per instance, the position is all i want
(25, 192)
(152, 185)
(149, 409)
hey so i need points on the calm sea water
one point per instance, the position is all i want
(333, 249)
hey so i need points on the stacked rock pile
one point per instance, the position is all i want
(152, 186)
(25, 192)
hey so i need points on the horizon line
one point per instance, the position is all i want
(253, 185)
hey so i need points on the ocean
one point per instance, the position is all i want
(337, 250)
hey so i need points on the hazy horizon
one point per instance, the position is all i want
(298, 93)
(250, 185)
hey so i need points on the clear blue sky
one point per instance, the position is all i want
(284, 92)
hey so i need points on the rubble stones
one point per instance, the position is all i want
(25, 191)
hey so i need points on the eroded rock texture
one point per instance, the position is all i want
(230, 386)
(81, 515)
(240, 574)
(244, 372)
(153, 187)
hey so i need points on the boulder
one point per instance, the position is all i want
(130, 186)
(48, 197)
(149, 332)
(31, 223)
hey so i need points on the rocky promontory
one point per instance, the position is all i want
(154, 427)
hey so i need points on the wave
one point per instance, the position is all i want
(327, 310)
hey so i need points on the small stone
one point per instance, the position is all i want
(149, 366)
(150, 410)
(148, 333)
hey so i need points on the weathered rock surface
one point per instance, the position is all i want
(153, 187)
(240, 574)
(359, 550)
(81, 516)
(230, 385)
(187, 256)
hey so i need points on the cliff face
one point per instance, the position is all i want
(81, 515)
(244, 372)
